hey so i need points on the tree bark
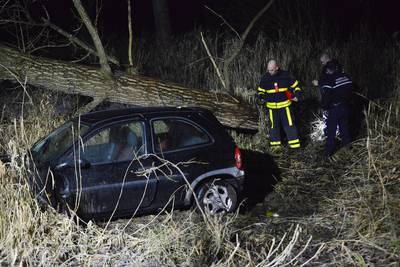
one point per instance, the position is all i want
(128, 89)
(96, 39)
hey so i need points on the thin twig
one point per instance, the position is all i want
(224, 20)
(78, 42)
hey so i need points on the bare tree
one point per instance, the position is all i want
(127, 89)
(237, 46)
(101, 84)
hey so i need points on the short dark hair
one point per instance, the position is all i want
(333, 65)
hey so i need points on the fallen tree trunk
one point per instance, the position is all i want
(127, 89)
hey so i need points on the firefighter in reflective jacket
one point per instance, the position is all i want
(277, 90)
(336, 90)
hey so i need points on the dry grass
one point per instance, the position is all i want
(344, 213)
(31, 236)
(352, 204)
(186, 61)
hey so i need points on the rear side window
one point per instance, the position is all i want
(172, 134)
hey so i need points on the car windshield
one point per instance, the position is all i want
(57, 142)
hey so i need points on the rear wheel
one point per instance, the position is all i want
(217, 197)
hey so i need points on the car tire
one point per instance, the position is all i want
(216, 197)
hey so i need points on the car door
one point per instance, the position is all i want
(186, 146)
(132, 175)
(107, 180)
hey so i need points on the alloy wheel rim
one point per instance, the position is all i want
(217, 200)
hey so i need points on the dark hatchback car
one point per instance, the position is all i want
(134, 161)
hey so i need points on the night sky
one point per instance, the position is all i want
(341, 15)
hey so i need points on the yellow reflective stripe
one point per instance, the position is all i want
(295, 146)
(271, 118)
(280, 90)
(295, 84)
(294, 141)
(289, 117)
(297, 89)
(276, 105)
(277, 143)
(260, 89)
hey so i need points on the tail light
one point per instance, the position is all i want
(238, 158)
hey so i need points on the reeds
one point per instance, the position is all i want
(30, 235)
(344, 213)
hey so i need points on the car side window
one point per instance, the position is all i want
(172, 134)
(122, 142)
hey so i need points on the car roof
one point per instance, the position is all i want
(105, 115)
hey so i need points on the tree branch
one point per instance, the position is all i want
(212, 61)
(90, 106)
(78, 42)
(95, 37)
(259, 14)
(239, 46)
(224, 20)
(131, 69)
(130, 34)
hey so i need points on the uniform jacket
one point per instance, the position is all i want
(336, 89)
(275, 88)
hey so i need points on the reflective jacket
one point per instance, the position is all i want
(276, 89)
(336, 89)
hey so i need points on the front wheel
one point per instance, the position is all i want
(217, 197)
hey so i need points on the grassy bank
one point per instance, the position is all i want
(344, 213)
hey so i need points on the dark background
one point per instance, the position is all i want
(362, 34)
(338, 16)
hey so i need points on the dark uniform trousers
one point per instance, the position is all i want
(336, 90)
(338, 116)
(283, 117)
